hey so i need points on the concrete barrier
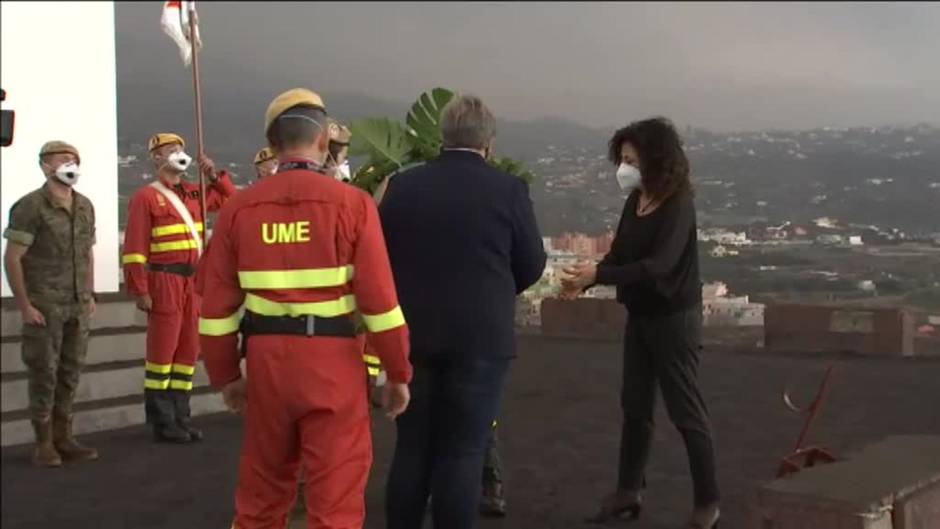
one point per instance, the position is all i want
(19, 431)
(110, 394)
(584, 318)
(120, 381)
(130, 344)
(891, 484)
(119, 314)
(822, 328)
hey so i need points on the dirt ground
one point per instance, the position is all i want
(560, 423)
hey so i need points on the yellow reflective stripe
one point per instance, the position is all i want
(374, 360)
(173, 246)
(373, 371)
(183, 369)
(156, 384)
(163, 369)
(288, 279)
(325, 309)
(173, 229)
(132, 258)
(219, 326)
(184, 385)
(383, 322)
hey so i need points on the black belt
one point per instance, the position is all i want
(179, 269)
(254, 324)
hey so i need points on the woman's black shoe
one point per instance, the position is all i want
(619, 505)
(705, 518)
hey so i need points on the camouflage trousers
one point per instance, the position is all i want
(54, 356)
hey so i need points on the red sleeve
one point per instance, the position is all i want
(375, 294)
(220, 191)
(221, 311)
(136, 249)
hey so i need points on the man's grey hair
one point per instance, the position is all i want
(466, 123)
(298, 125)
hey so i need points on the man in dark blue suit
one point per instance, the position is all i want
(463, 243)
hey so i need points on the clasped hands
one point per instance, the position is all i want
(577, 278)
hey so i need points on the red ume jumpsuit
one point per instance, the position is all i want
(301, 243)
(157, 235)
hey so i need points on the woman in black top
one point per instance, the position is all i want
(653, 262)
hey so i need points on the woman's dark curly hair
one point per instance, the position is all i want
(663, 164)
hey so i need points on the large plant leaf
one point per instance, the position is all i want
(369, 175)
(382, 140)
(508, 165)
(389, 147)
(424, 119)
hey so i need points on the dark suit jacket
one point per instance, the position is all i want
(463, 242)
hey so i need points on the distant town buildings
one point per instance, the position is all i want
(581, 244)
(724, 237)
(719, 309)
(127, 161)
(830, 238)
(720, 251)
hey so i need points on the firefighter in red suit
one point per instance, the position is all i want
(162, 244)
(300, 254)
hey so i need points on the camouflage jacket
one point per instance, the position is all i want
(59, 243)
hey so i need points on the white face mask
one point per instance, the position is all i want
(343, 173)
(628, 177)
(68, 173)
(179, 160)
(272, 171)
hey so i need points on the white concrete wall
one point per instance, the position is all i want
(57, 65)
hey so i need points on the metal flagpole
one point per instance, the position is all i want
(199, 146)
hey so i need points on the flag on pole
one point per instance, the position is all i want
(175, 23)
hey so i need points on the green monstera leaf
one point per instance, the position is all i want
(424, 119)
(369, 176)
(508, 165)
(389, 147)
(382, 140)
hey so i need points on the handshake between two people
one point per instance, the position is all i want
(577, 278)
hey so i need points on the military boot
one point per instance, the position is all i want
(492, 502)
(67, 446)
(161, 414)
(45, 455)
(184, 414)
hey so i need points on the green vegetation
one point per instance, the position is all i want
(925, 298)
(390, 146)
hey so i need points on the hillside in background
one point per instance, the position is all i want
(885, 176)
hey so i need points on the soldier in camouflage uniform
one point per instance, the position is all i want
(50, 268)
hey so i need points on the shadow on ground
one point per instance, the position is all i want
(560, 432)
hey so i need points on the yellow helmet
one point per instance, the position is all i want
(288, 99)
(264, 155)
(339, 133)
(164, 138)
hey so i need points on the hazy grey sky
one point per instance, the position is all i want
(721, 66)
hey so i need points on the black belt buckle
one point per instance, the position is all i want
(180, 269)
(310, 325)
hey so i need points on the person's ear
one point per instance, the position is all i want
(323, 144)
